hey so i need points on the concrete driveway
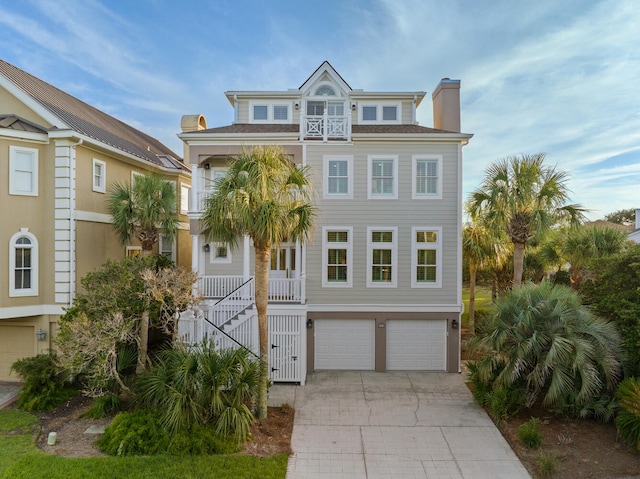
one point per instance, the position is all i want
(392, 425)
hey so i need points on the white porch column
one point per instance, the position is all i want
(303, 273)
(195, 187)
(246, 258)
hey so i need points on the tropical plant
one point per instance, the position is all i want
(625, 217)
(524, 198)
(613, 292)
(100, 335)
(202, 386)
(628, 419)
(482, 249)
(42, 385)
(580, 246)
(142, 208)
(267, 197)
(529, 434)
(542, 338)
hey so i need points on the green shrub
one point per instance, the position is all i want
(134, 434)
(202, 386)
(141, 434)
(504, 402)
(104, 406)
(529, 434)
(628, 420)
(546, 464)
(42, 388)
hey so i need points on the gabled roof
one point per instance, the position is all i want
(72, 113)
(15, 122)
(328, 68)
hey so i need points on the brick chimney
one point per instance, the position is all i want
(446, 105)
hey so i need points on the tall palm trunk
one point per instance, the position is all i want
(473, 272)
(143, 342)
(262, 300)
(518, 263)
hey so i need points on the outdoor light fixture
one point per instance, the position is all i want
(454, 324)
(353, 106)
(207, 166)
(206, 248)
(309, 323)
(296, 105)
(41, 334)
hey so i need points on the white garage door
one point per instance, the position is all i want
(418, 345)
(345, 344)
(16, 342)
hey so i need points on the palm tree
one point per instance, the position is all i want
(524, 198)
(580, 246)
(143, 208)
(482, 249)
(265, 196)
(542, 338)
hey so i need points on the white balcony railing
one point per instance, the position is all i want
(280, 290)
(325, 127)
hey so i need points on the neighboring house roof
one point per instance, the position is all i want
(15, 122)
(609, 224)
(295, 128)
(89, 121)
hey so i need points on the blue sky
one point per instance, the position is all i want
(548, 76)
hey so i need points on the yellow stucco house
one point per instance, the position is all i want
(58, 157)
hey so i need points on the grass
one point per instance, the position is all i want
(483, 301)
(21, 459)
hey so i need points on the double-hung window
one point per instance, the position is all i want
(185, 191)
(220, 253)
(426, 257)
(427, 177)
(382, 254)
(383, 177)
(99, 176)
(23, 171)
(380, 113)
(338, 177)
(337, 251)
(270, 112)
(167, 247)
(23, 264)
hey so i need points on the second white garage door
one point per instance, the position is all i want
(345, 344)
(418, 345)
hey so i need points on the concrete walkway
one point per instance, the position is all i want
(392, 425)
(8, 393)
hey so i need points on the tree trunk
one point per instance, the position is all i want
(518, 263)
(262, 300)
(143, 343)
(472, 297)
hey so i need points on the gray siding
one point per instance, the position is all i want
(403, 213)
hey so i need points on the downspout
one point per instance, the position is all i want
(413, 109)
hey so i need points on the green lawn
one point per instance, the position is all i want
(483, 301)
(20, 458)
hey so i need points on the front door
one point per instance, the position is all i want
(283, 263)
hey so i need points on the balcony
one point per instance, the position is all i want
(281, 290)
(325, 127)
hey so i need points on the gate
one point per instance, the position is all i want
(287, 351)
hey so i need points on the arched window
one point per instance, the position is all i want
(325, 90)
(23, 264)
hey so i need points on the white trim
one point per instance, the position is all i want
(414, 187)
(33, 290)
(385, 308)
(382, 196)
(379, 106)
(437, 246)
(348, 246)
(92, 216)
(33, 310)
(270, 105)
(393, 246)
(326, 159)
(13, 164)
(26, 136)
(100, 187)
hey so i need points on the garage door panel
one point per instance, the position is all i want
(16, 342)
(418, 345)
(345, 344)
